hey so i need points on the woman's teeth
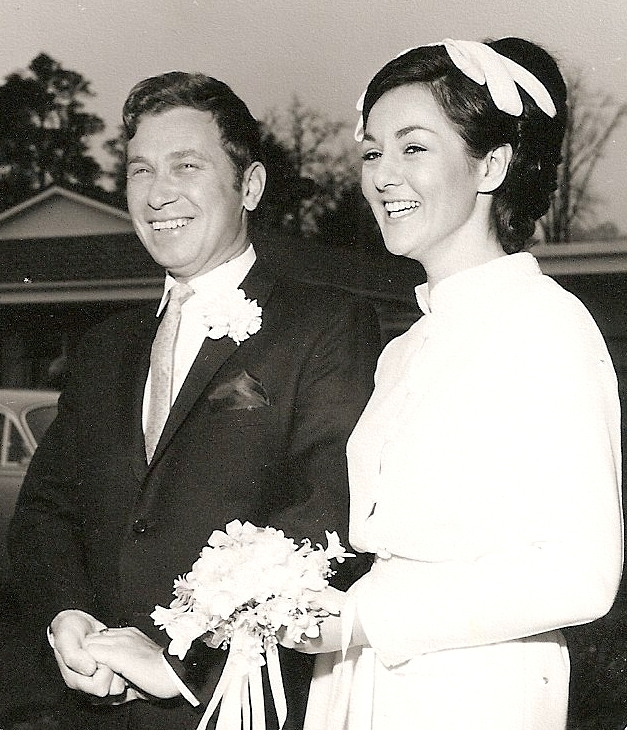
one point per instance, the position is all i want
(400, 208)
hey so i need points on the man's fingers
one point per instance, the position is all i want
(135, 656)
(118, 685)
(74, 662)
(92, 684)
(100, 684)
(69, 629)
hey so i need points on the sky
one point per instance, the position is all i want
(323, 51)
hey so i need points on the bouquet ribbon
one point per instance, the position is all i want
(239, 691)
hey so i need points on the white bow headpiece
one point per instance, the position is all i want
(484, 65)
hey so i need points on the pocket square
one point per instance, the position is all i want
(241, 391)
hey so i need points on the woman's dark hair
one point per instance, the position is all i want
(239, 130)
(536, 139)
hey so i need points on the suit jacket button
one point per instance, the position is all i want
(140, 526)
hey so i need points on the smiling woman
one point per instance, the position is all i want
(422, 184)
(491, 498)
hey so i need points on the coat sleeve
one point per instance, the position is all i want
(46, 557)
(550, 433)
(333, 388)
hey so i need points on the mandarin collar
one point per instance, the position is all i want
(477, 288)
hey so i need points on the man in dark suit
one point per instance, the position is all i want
(262, 393)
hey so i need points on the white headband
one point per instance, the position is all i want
(484, 65)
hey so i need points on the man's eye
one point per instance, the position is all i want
(137, 172)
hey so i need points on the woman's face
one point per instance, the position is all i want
(418, 177)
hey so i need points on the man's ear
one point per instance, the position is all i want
(253, 185)
(494, 168)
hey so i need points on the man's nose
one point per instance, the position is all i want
(162, 192)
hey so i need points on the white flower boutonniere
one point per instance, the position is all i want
(233, 315)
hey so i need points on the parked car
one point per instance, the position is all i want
(24, 417)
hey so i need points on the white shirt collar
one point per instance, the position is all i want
(226, 277)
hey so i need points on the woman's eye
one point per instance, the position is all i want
(412, 149)
(370, 155)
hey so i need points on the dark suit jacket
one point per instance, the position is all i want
(257, 433)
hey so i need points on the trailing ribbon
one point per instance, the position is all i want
(483, 65)
(239, 691)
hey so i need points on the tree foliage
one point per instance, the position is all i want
(116, 147)
(313, 182)
(309, 167)
(44, 131)
(593, 118)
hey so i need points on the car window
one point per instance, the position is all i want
(13, 449)
(39, 419)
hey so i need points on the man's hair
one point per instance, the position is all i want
(239, 130)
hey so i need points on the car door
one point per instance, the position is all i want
(15, 453)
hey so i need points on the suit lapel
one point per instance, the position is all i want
(213, 354)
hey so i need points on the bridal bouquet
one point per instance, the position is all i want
(247, 585)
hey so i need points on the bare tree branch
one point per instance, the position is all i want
(593, 119)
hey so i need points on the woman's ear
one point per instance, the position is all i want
(253, 185)
(494, 168)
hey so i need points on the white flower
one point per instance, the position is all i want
(249, 582)
(233, 315)
(335, 549)
(182, 628)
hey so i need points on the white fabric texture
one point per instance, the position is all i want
(485, 473)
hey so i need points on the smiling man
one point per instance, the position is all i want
(167, 430)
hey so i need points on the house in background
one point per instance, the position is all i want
(68, 261)
(596, 272)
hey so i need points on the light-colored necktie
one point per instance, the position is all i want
(162, 367)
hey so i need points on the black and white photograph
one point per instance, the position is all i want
(313, 365)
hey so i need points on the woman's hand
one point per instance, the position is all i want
(330, 639)
(330, 600)
(130, 653)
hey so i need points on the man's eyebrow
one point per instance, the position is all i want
(135, 159)
(176, 155)
(190, 152)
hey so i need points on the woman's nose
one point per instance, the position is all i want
(162, 192)
(386, 174)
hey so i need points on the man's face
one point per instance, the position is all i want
(182, 197)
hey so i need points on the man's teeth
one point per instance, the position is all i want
(174, 223)
(399, 208)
